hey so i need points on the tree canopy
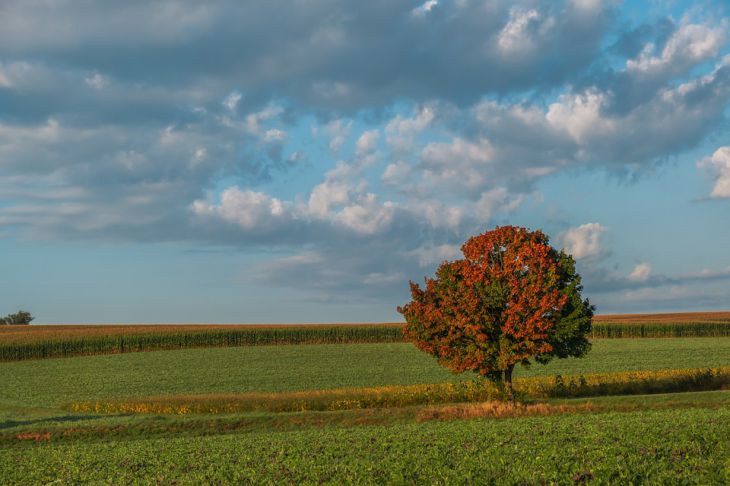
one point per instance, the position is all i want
(20, 317)
(513, 298)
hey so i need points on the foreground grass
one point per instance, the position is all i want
(656, 446)
(54, 382)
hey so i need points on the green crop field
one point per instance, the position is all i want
(672, 437)
(676, 446)
(308, 367)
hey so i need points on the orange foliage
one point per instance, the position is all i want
(501, 305)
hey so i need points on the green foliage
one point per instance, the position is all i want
(19, 318)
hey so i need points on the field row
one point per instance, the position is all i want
(626, 383)
(28, 342)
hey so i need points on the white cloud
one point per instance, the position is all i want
(4, 80)
(231, 101)
(496, 200)
(689, 45)
(430, 255)
(248, 209)
(400, 131)
(338, 130)
(380, 278)
(461, 163)
(587, 7)
(641, 272)
(253, 120)
(367, 142)
(274, 135)
(424, 8)
(583, 241)
(367, 216)
(580, 115)
(515, 36)
(439, 215)
(96, 81)
(396, 173)
(718, 164)
(327, 194)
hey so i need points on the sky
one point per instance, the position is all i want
(300, 161)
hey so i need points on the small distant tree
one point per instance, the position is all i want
(20, 317)
(513, 298)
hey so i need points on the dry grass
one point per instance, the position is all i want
(496, 409)
(624, 383)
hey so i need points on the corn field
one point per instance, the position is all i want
(37, 342)
(121, 342)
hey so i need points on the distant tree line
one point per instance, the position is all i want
(20, 317)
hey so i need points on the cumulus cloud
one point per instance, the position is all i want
(367, 142)
(150, 137)
(401, 130)
(96, 81)
(583, 241)
(640, 273)
(338, 130)
(424, 8)
(231, 101)
(718, 165)
(689, 45)
(246, 208)
(515, 37)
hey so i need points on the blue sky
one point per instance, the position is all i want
(279, 161)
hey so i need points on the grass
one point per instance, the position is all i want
(655, 446)
(633, 382)
(54, 382)
(665, 438)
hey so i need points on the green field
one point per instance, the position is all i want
(688, 446)
(674, 438)
(53, 382)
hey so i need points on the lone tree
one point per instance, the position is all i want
(20, 317)
(512, 298)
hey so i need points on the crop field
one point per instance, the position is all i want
(36, 342)
(634, 410)
(666, 446)
(309, 367)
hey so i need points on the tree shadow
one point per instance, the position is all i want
(8, 424)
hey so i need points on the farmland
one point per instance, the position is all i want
(362, 411)
(34, 342)
(617, 447)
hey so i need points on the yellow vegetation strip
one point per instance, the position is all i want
(626, 383)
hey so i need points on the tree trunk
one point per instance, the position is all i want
(508, 383)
